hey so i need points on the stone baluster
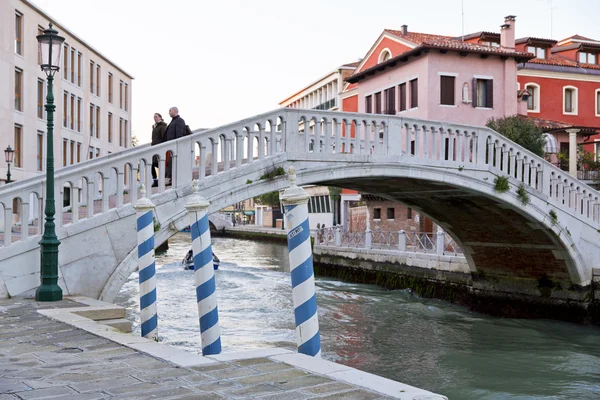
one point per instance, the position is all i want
(368, 238)
(75, 204)
(24, 220)
(90, 198)
(8, 216)
(120, 184)
(338, 236)
(106, 192)
(440, 242)
(215, 157)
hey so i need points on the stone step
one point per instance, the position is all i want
(102, 314)
(122, 324)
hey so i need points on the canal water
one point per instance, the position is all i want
(421, 342)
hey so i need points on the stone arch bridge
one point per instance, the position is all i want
(546, 228)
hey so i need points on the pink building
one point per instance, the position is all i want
(438, 77)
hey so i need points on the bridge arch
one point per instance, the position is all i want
(502, 239)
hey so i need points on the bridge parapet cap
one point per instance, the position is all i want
(196, 202)
(294, 194)
(144, 203)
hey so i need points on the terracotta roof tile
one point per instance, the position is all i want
(416, 37)
(556, 59)
(472, 47)
(551, 125)
(352, 64)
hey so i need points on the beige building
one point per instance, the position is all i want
(92, 96)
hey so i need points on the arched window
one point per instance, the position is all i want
(570, 100)
(385, 55)
(533, 101)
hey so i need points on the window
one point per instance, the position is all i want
(40, 99)
(402, 93)
(390, 101)
(97, 152)
(110, 124)
(65, 152)
(79, 114)
(378, 103)
(409, 213)
(18, 90)
(72, 65)
(92, 72)
(72, 113)
(533, 101)
(377, 213)
(587, 58)
(66, 61)
(121, 140)
(79, 71)
(97, 80)
(414, 93)
(78, 152)
(490, 43)
(369, 104)
(121, 94)
(126, 99)
(72, 152)
(40, 151)
(91, 155)
(597, 102)
(569, 100)
(384, 55)
(19, 33)
(539, 52)
(92, 108)
(391, 213)
(40, 32)
(110, 88)
(18, 154)
(125, 133)
(483, 93)
(65, 110)
(98, 118)
(447, 90)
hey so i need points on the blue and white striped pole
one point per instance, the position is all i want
(147, 266)
(204, 273)
(295, 202)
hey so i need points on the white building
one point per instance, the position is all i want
(324, 94)
(92, 96)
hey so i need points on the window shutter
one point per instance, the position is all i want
(447, 96)
(403, 97)
(489, 101)
(392, 100)
(474, 93)
(414, 93)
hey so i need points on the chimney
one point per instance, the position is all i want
(404, 29)
(507, 33)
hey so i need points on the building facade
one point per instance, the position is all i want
(91, 93)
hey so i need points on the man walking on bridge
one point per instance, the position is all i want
(175, 130)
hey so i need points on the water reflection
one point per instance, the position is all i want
(425, 343)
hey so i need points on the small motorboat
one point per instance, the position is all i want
(188, 261)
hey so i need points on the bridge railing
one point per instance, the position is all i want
(439, 243)
(97, 186)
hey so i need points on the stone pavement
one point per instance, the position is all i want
(44, 358)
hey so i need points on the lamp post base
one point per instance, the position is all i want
(51, 292)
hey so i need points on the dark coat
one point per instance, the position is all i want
(158, 133)
(176, 128)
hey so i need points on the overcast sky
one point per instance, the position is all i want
(220, 61)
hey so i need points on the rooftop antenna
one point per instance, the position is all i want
(462, 11)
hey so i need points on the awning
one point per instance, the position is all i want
(550, 143)
(248, 212)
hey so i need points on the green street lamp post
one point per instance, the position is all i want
(50, 47)
(8, 157)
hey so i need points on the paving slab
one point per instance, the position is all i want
(48, 352)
